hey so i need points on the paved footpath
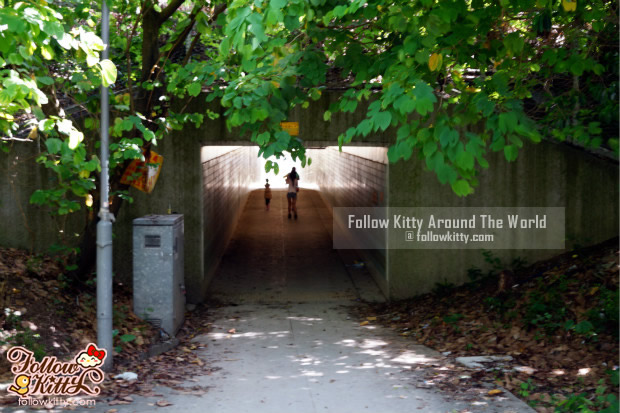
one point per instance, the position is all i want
(294, 348)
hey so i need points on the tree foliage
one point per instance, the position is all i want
(455, 79)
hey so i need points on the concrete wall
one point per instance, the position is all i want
(546, 174)
(209, 186)
(313, 130)
(179, 188)
(23, 225)
(355, 177)
(227, 178)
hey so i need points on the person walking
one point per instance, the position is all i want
(292, 179)
(267, 195)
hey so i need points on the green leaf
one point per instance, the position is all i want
(448, 136)
(403, 132)
(256, 27)
(445, 173)
(108, 72)
(259, 114)
(364, 127)
(194, 89)
(465, 160)
(430, 148)
(39, 197)
(508, 122)
(404, 104)
(15, 24)
(514, 43)
(484, 105)
(148, 134)
(47, 52)
(53, 28)
(393, 154)
(461, 188)
(405, 149)
(277, 4)
(263, 138)
(382, 120)
(425, 97)
(126, 338)
(127, 124)
(53, 145)
(511, 152)
(584, 327)
(45, 80)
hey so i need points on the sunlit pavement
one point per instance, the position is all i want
(311, 358)
(282, 340)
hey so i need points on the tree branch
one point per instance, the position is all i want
(183, 35)
(191, 47)
(169, 10)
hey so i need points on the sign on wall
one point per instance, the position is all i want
(291, 127)
(143, 175)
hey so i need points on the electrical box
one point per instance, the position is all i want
(158, 279)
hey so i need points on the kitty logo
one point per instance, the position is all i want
(91, 357)
(52, 377)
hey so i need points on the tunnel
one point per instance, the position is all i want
(217, 186)
(252, 254)
(212, 175)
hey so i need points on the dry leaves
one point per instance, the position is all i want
(460, 324)
(64, 318)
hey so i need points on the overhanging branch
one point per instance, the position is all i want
(169, 10)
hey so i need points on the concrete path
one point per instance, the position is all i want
(294, 348)
(284, 342)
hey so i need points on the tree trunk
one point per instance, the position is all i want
(151, 23)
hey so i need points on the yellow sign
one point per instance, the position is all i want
(143, 176)
(291, 127)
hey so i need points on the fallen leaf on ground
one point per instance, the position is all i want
(116, 402)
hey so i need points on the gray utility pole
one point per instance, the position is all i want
(104, 226)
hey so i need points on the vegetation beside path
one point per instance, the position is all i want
(557, 319)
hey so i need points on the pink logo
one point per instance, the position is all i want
(52, 377)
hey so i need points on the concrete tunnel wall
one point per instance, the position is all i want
(547, 174)
(227, 180)
(355, 177)
(209, 186)
(22, 224)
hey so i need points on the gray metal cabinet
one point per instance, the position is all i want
(158, 279)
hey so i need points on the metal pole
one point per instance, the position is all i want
(104, 226)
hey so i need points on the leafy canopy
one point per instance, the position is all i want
(454, 79)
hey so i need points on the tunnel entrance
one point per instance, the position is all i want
(257, 256)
